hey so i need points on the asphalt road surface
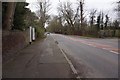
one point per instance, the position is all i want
(92, 57)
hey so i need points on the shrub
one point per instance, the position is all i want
(40, 32)
(117, 33)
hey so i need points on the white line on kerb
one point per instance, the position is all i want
(71, 65)
(69, 62)
(114, 52)
(74, 70)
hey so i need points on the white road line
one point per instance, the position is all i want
(71, 65)
(105, 48)
(111, 51)
(96, 46)
(114, 52)
(89, 44)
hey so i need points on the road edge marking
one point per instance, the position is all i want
(69, 62)
(71, 65)
(114, 52)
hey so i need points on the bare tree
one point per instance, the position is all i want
(81, 7)
(92, 17)
(72, 16)
(118, 10)
(42, 13)
(106, 20)
(98, 22)
(102, 22)
(66, 11)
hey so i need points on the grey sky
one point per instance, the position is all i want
(106, 6)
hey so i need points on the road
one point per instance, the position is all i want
(92, 57)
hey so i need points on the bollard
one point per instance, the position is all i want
(30, 35)
(33, 36)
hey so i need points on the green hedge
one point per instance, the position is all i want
(110, 33)
(40, 32)
(117, 34)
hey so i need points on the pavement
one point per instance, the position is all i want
(92, 58)
(42, 59)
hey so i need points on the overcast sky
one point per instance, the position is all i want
(107, 6)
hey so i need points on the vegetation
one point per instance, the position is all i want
(68, 21)
(74, 22)
(8, 10)
(17, 17)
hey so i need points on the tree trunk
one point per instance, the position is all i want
(9, 16)
(81, 15)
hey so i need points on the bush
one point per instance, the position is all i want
(117, 33)
(40, 32)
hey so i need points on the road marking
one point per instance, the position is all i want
(71, 65)
(69, 62)
(89, 44)
(105, 48)
(97, 45)
(114, 52)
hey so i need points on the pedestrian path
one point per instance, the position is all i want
(42, 59)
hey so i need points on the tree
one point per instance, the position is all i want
(98, 22)
(8, 10)
(102, 22)
(106, 20)
(55, 25)
(68, 15)
(117, 9)
(19, 17)
(4, 7)
(42, 13)
(116, 24)
(30, 18)
(118, 13)
(81, 7)
(92, 16)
